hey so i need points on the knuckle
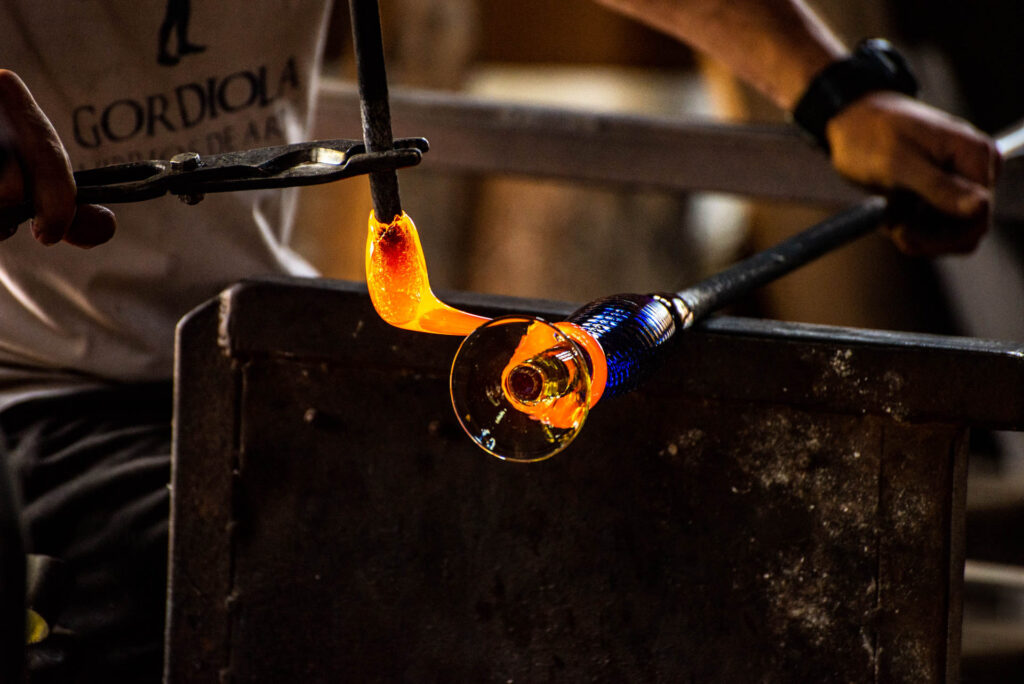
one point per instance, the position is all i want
(7, 78)
(12, 88)
(887, 167)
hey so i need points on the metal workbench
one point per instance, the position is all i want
(781, 503)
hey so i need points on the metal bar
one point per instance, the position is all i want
(718, 290)
(374, 109)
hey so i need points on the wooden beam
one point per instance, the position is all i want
(470, 134)
(474, 135)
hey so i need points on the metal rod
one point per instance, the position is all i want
(710, 294)
(373, 104)
(722, 288)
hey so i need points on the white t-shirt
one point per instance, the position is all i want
(234, 74)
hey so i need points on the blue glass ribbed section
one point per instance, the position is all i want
(631, 329)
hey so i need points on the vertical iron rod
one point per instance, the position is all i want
(374, 107)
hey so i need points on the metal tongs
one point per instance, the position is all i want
(191, 176)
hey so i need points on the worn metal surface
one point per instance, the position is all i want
(780, 503)
(206, 392)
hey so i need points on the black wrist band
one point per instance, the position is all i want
(874, 65)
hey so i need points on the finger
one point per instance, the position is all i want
(967, 241)
(918, 243)
(44, 162)
(967, 152)
(93, 225)
(929, 234)
(944, 190)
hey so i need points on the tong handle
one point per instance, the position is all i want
(131, 182)
(189, 176)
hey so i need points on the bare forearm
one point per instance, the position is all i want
(882, 140)
(775, 45)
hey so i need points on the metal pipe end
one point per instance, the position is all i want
(681, 310)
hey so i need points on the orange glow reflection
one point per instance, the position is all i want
(545, 380)
(563, 409)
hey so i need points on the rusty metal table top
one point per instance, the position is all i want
(780, 503)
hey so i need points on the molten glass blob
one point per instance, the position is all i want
(396, 275)
(522, 388)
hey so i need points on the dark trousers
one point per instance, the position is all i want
(93, 469)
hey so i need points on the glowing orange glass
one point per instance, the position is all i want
(534, 374)
(396, 275)
(541, 379)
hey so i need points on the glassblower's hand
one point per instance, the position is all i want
(895, 144)
(34, 167)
